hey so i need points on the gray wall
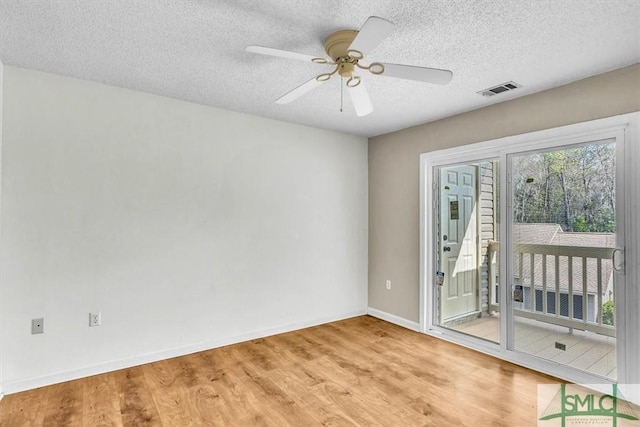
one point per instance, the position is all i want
(394, 169)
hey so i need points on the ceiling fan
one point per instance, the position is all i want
(347, 48)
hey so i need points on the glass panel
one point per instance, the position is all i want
(467, 247)
(564, 233)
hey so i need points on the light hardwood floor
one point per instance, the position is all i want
(360, 371)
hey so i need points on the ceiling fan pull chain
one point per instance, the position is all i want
(341, 93)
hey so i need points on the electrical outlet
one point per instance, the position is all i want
(95, 319)
(388, 284)
(37, 326)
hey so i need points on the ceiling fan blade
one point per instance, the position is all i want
(360, 99)
(281, 53)
(373, 31)
(421, 74)
(299, 91)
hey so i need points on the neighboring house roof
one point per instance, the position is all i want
(552, 234)
(542, 234)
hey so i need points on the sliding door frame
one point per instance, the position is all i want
(626, 132)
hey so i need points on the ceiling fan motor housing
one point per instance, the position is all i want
(337, 47)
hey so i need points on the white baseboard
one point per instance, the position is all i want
(392, 318)
(73, 374)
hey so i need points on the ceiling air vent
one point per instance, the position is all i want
(504, 87)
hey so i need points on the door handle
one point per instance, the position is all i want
(447, 249)
(618, 266)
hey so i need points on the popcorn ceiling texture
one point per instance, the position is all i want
(194, 50)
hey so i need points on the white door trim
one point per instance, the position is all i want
(626, 130)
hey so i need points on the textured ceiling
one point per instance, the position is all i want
(194, 50)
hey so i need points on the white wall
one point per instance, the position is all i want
(187, 226)
(1, 102)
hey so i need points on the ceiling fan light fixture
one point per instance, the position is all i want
(376, 68)
(355, 54)
(353, 81)
(324, 77)
(346, 69)
(319, 61)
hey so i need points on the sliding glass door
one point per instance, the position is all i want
(523, 248)
(563, 228)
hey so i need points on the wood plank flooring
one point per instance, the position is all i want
(356, 372)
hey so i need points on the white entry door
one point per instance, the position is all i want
(458, 241)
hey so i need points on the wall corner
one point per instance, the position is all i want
(1, 290)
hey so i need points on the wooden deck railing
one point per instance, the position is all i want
(545, 290)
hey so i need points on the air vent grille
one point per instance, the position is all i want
(504, 87)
